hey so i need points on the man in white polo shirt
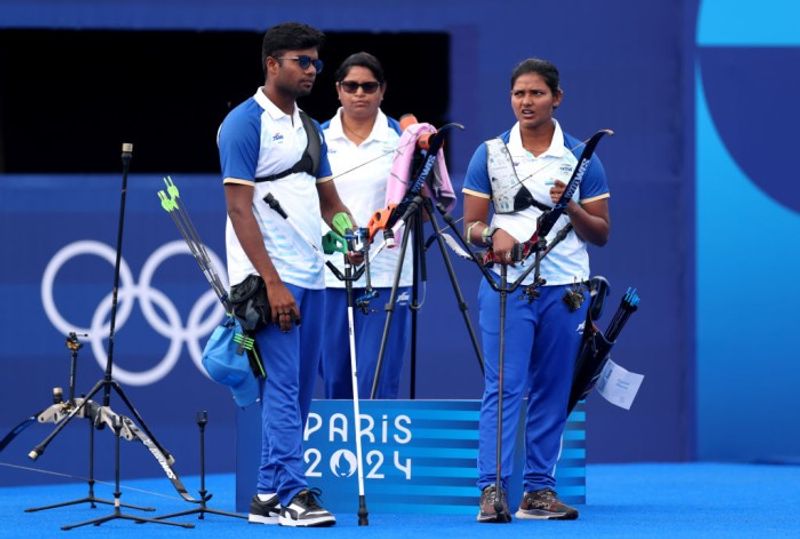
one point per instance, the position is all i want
(268, 146)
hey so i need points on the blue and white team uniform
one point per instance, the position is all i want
(255, 140)
(363, 191)
(543, 336)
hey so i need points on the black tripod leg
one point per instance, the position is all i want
(201, 511)
(91, 463)
(138, 520)
(462, 304)
(224, 513)
(90, 498)
(390, 311)
(95, 521)
(117, 514)
(419, 274)
(202, 419)
(36, 452)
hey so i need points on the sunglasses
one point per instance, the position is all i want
(305, 62)
(352, 87)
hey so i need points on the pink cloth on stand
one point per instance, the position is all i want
(400, 175)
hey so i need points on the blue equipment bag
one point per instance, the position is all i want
(226, 360)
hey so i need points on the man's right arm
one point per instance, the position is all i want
(239, 200)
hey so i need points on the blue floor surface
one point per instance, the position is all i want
(628, 500)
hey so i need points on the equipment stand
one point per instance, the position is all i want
(202, 419)
(90, 497)
(107, 383)
(74, 345)
(415, 222)
(117, 514)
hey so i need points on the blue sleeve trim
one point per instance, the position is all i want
(477, 177)
(595, 182)
(239, 141)
(324, 165)
(394, 124)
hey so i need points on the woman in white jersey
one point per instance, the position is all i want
(361, 140)
(542, 335)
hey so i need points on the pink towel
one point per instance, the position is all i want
(400, 175)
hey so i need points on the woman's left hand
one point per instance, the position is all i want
(557, 190)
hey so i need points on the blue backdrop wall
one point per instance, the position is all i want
(748, 200)
(627, 66)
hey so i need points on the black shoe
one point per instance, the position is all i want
(264, 512)
(304, 510)
(545, 505)
(488, 512)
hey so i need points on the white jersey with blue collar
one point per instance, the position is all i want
(568, 262)
(257, 139)
(363, 190)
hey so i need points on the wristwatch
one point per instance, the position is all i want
(487, 233)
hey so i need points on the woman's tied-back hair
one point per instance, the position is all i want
(543, 68)
(360, 59)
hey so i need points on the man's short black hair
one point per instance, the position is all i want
(289, 36)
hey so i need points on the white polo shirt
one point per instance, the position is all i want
(363, 190)
(258, 139)
(568, 261)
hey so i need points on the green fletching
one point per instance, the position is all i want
(167, 203)
(341, 223)
(172, 189)
(169, 200)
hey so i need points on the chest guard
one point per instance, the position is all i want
(309, 161)
(509, 194)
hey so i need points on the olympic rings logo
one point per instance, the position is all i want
(129, 291)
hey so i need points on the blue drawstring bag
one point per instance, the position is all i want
(226, 362)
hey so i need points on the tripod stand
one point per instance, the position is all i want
(107, 383)
(415, 222)
(202, 419)
(117, 425)
(74, 345)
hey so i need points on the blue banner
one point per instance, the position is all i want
(419, 456)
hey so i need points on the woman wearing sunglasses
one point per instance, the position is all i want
(361, 142)
(542, 336)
